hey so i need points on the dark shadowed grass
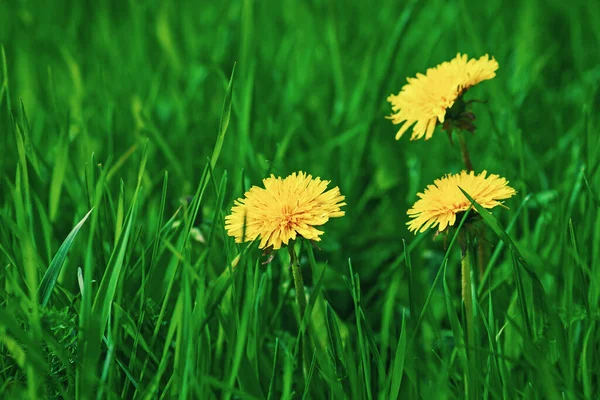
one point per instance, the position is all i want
(132, 110)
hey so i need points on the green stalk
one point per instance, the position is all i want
(482, 257)
(298, 281)
(465, 152)
(301, 300)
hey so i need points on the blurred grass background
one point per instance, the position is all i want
(95, 95)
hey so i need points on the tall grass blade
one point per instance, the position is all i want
(224, 123)
(51, 275)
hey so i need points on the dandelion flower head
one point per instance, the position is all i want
(284, 209)
(424, 100)
(440, 203)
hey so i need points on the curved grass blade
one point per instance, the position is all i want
(49, 280)
(493, 223)
(517, 258)
(335, 347)
(592, 193)
(500, 246)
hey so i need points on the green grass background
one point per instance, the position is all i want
(118, 106)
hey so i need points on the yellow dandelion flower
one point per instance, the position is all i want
(440, 203)
(423, 102)
(284, 209)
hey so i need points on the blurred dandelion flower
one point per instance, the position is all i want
(441, 202)
(284, 209)
(430, 98)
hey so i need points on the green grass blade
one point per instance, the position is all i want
(49, 280)
(224, 123)
(309, 375)
(518, 262)
(438, 276)
(362, 345)
(587, 357)
(457, 330)
(398, 363)
(592, 193)
(4, 89)
(271, 391)
(29, 146)
(16, 340)
(108, 285)
(335, 348)
(59, 171)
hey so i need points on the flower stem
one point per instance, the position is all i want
(300, 299)
(298, 281)
(482, 257)
(465, 152)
